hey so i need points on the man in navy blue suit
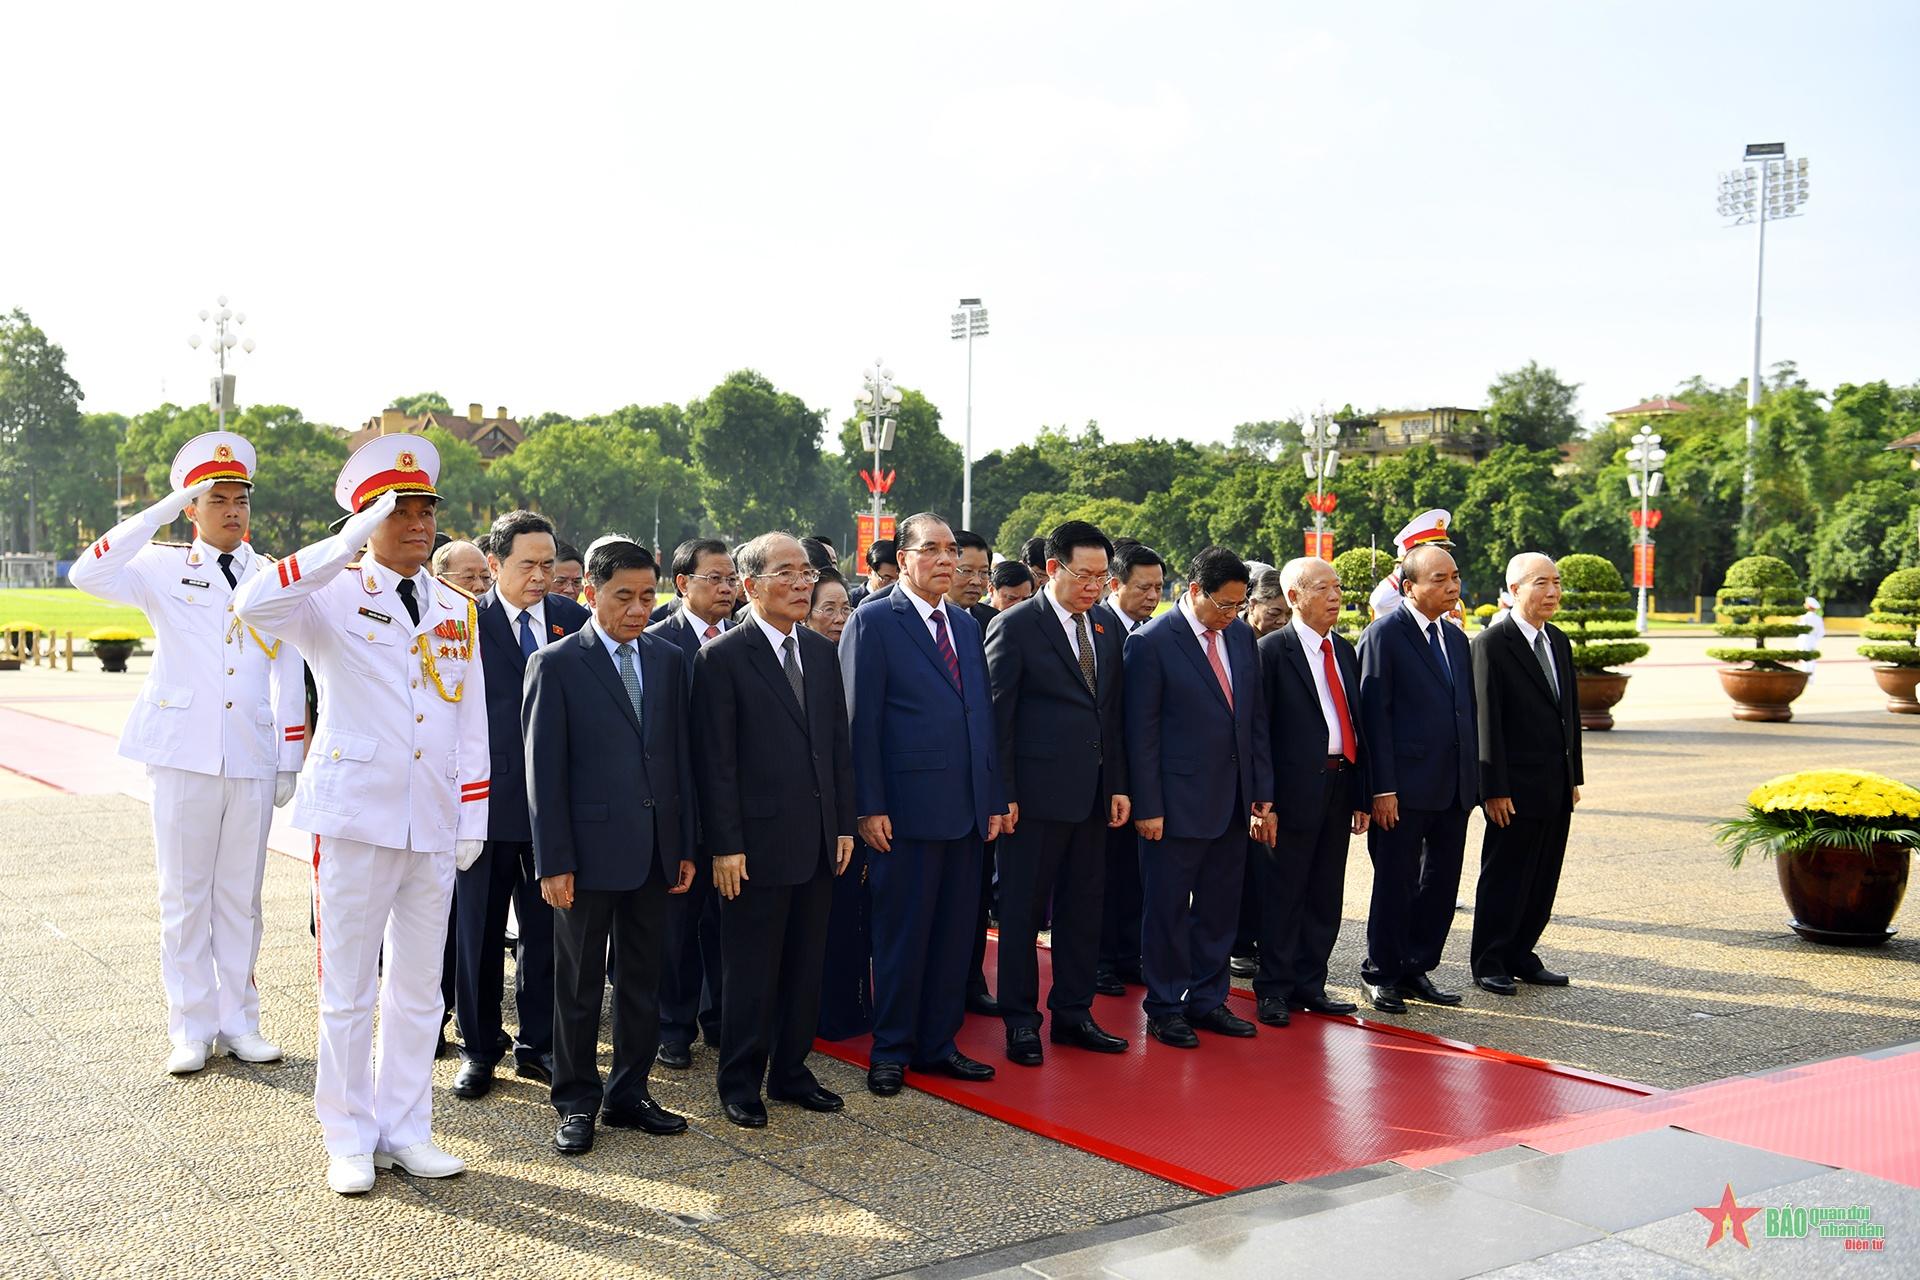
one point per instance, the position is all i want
(1199, 763)
(707, 587)
(927, 790)
(518, 618)
(1417, 718)
(612, 801)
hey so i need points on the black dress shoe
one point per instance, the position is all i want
(1087, 1034)
(1243, 966)
(1498, 983)
(1108, 984)
(983, 1004)
(538, 1069)
(959, 1066)
(1023, 1047)
(473, 1080)
(1421, 987)
(575, 1137)
(677, 1056)
(1273, 1011)
(649, 1115)
(1385, 998)
(1173, 1031)
(1324, 1004)
(1221, 1021)
(818, 1098)
(885, 1078)
(1543, 978)
(748, 1115)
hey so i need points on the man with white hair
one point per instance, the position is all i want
(1530, 774)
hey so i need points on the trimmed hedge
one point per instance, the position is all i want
(1360, 570)
(1761, 600)
(1596, 612)
(1894, 617)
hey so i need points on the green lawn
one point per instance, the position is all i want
(62, 609)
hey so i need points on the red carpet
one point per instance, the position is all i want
(1320, 1096)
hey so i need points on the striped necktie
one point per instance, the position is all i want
(945, 646)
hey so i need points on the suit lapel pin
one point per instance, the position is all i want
(556, 629)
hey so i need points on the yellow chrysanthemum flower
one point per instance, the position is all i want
(1847, 793)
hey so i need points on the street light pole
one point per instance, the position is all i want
(1775, 191)
(969, 322)
(1644, 475)
(225, 320)
(1321, 458)
(882, 400)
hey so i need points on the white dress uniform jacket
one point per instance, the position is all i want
(395, 762)
(222, 698)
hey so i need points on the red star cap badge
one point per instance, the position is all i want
(1727, 1217)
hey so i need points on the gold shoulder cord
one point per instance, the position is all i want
(432, 668)
(271, 650)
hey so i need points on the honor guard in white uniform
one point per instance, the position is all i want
(1428, 526)
(221, 725)
(394, 792)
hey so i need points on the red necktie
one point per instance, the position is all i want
(1339, 696)
(945, 646)
(1219, 667)
(711, 632)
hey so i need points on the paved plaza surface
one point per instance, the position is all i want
(1684, 971)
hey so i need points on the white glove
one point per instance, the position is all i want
(466, 853)
(283, 787)
(169, 507)
(360, 526)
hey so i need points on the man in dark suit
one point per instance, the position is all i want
(1138, 576)
(775, 765)
(1056, 672)
(611, 798)
(1008, 584)
(1311, 677)
(1202, 778)
(1530, 773)
(708, 588)
(1417, 718)
(927, 781)
(518, 618)
(883, 570)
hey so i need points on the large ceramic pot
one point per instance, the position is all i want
(1599, 691)
(1844, 897)
(113, 654)
(1898, 684)
(1760, 694)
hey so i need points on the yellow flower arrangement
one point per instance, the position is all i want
(113, 635)
(1817, 807)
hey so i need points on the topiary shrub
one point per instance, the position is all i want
(1360, 570)
(1761, 600)
(1596, 612)
(1893, 619)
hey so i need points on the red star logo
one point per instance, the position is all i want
(1727, 1217)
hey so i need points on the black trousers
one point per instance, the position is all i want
(977, 962)
(1300, 881)
(1120, 906)
(773, 948)
(1519, 876)
(690, 981)
(502, 875)
(1065, 863)
(1191, 890)
(1246, 936)
(1416, 881)
(635, 920)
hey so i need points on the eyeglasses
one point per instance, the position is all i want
(941, 551)
(964, 572)
(717, 579)
(832, 611)
(789, 577)
(1236, 609)
(1076, 576)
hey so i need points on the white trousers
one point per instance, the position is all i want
(370, 1095)
(210, 856)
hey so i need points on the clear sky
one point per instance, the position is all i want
(1180, 216)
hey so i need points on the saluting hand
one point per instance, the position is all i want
(169, 507)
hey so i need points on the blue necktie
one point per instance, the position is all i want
(527, 643)
(1439, 649)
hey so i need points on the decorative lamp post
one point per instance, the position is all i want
(1321, 458)
(225, 321)
(1774, 191)
(880, 400)
(1644, 475)
(969, 322)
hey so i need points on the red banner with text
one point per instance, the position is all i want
(1643, 565)
(866, 537)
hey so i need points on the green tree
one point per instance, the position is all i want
(756, 452)
(1531, 406)
(40, 431)
(1513, 504)
(424, 402)
(591, 480)
(468, 498)
(926, 462)
(293, 482)
(1270, 440)
(1869, 533)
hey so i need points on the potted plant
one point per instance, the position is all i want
(17, 641)
(1596, 612)
(1842, 841)
(1360, 570)
(1893, 628)
(113, 646)
(1761, 600)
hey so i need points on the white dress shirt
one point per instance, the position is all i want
(1312, 644)
(1072, 628)
(1200, 633)
(1527, 632)
(778, 640)
(926, 614)
(537, 611)
(1427, 626)
(699, 627)
(613, 651)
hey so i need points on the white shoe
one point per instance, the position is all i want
(249, 1046)
(188, 1057)
(422, 1160)
(350, 1175)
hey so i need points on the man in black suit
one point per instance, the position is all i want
(1008, 584)
(569, 571)
(883, 570)
(771, 748)
(1311, 677)
(1056, 673)
(518, 618)
(708, 587)
(1138, 576)
(612, 802)
(1417, 718)
(1530, 773)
